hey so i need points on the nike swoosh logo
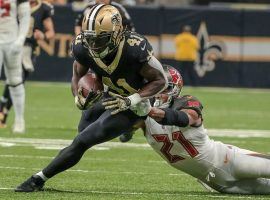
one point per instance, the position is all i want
(142, 48)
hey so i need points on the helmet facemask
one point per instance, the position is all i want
(175, 84)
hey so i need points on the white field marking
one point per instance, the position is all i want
(85, 158)
(214, 89)
(61, 143)
(99, 171)
(149, 193)
(239, 133)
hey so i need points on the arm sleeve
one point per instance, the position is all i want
(24, 20)
(175, 118)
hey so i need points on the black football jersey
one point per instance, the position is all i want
(39, 13)
(187, 102)
(123, 74)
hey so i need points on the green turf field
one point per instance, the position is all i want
(114, 170)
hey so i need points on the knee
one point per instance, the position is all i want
(78, 145)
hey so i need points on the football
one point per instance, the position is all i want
(89, 82)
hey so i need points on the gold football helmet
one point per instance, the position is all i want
(102, 30)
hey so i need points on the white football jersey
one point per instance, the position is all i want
(187, 149)
(8, 21)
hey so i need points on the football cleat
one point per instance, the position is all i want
(126, 137)
(19, 127)
(34, 183)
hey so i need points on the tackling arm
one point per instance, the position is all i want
(180, 118)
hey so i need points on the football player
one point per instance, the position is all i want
(41, 28)
(176, 132)
(127, 24)
(125, 63)
(126, 19)
(12, 37)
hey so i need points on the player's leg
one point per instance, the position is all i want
(13, 71)
(260, 186)
(5, 106)
(104, 129)
(249, 164)
(129, 135)
(249, 169)
(90, 115)
(2, 101)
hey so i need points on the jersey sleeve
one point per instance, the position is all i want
(188, 102)
(48, 10)
(145, 51)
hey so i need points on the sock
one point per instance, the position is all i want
(41, 175)
(18, 98)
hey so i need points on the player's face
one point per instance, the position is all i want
(161, 99)
(99, 43)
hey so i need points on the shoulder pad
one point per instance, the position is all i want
(188, 102)
(140, 45)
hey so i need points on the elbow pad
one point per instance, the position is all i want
(175, 117)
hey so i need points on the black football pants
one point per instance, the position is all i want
(97, 125)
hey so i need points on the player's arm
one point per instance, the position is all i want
(78, 72)
(181, 118)
(49, 28)
(24, 23)
(153, 72)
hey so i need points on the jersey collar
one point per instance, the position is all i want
(111, 68)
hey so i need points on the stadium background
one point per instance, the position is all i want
(242, 35)
(133, 170)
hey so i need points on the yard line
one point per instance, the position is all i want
(85, 158)
(99, 171)
(147, 193)
(61, 143)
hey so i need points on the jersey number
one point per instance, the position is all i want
(167, 146)
(4, 8)
(120, 83)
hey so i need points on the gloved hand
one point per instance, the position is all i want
(142, 108)
(118, 103)
(84, 103)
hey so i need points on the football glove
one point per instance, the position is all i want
(119, 103)
(84, 103)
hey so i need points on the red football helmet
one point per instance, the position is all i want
(175, 85)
